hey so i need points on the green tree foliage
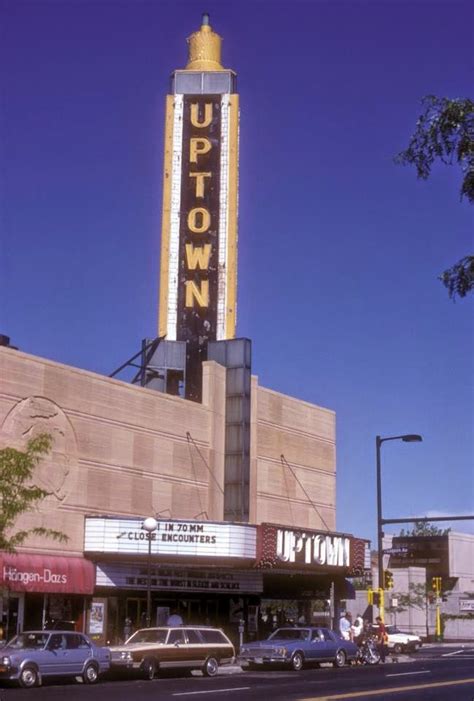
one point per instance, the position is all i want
(424, 528)
(19, 494)
(445, 132)
(459, 279)
(417, 597)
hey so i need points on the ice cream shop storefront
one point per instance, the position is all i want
(40, 590)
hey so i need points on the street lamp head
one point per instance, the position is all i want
(150, 524)
(412, 438)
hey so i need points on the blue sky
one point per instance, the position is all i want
(339, 249)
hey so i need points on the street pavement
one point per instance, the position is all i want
(436, 673)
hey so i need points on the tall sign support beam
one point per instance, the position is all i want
(198, 275)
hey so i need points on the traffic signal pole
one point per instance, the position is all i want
(436, 583)
(406, 438)
(378, 443)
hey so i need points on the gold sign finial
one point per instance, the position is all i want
(204, 49)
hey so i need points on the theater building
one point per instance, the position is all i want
(240, 479)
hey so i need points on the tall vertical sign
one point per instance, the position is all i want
(198, 277)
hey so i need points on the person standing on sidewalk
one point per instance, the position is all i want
(382, 638)
(345, 626)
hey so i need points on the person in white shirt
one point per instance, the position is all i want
(174, 619)
(357, 627)
(345, 626)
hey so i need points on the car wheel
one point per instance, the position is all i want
(297, 662)
(340, 659)
(29, 677)
(90, 674)
(149, 668)
(397, 648)
(210, 667)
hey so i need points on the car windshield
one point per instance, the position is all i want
(290, 634)
(29, 641)
(149, 635)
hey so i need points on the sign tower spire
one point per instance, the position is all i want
(198, 273)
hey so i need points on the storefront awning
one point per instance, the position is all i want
(46, 573)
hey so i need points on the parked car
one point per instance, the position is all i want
(401, 642)
(296, 647)
(32, 655)
(184, 647)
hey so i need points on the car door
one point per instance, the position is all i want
(78, 651)
(176, 648)
(330, 644)
(56, 658)
(317, 649)
(196, 649)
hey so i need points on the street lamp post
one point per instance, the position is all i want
(407, 438)
(149, 525)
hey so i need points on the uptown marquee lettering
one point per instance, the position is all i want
(313, 548)
(200, 159)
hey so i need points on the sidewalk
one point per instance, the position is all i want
(449, 643)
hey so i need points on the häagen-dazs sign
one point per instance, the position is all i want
(46, 573)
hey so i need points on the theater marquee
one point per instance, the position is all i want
(171, 538)
(279, 547)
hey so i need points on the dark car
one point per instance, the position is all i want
(296, 647)
(32, 655)
(184, 647)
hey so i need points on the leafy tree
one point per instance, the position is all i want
(19, 494)
(424, 528)
(416, 597)
(445, 132)
(459, 280)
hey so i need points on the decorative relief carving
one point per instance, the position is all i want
(35, 415)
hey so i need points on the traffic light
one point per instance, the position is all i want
(436, 584)
(376, 598)
(370, 597)
(387, 579)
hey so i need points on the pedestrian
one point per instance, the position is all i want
(357, 629)
(174, 619)
(382, 638)
(345, 626)
(127, 629)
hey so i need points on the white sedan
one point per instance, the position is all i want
(402, 642)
